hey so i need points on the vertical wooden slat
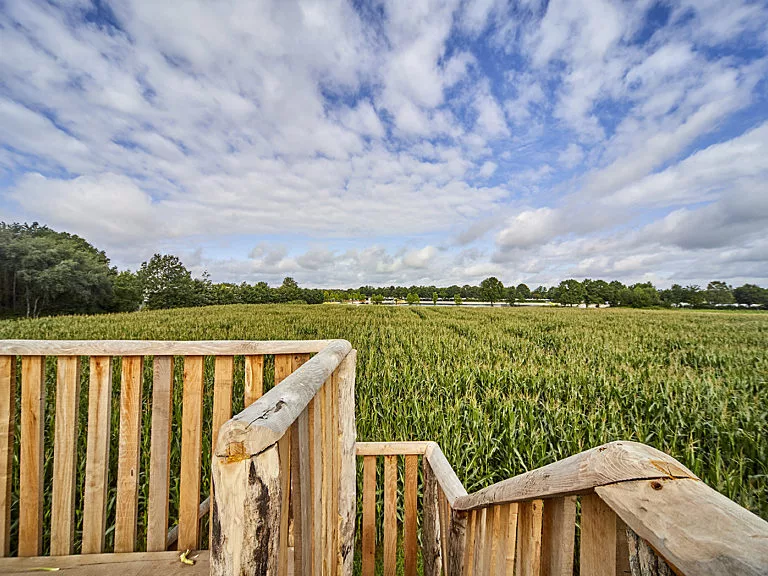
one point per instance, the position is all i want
(499, 540)
(469, 558)
(31, 475)
(481, 541)
(300, 484)
(64, 455)
(529, 539)
(284, 451)
(390, 515)
(604, 550)
(410, 544)
(369, 515)
(223, 370)
(254, 379)
(7, 424)
(512, 510)
(457, 534)
(191, 428)
(430, 540)
(327, 457)
(159, 453)
(316, 463)
(558, 536)
(128, 454)
(442, 510)
(306, 534)
(97, 454)
(283, 366)
(335, 471)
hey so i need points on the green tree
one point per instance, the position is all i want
(751, 294)
(126, 290)
(523, 292)
(570, 292)
(377, 299)
(166, 283)
(434, 298)
(719, 293)
(44, 271)
(457, 299)
(412, 298)
(491, 290)
(512, 295)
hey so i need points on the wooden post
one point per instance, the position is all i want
(246, 514)
(347, 433)
(7, 424)
(643, 561)
(559, 531)
(604, 549)
(431, 552)
(456, 542)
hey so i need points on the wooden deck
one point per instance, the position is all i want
(130, 564)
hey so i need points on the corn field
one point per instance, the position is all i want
(501, 390)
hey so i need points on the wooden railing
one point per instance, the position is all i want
(284, 475)
(101, 356)
(639, 511)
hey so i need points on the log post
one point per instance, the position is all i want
(643, 561)
(457, 542)
(347, 434)
(245, 537)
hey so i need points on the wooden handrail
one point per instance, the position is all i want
(159, 347)
(265, 421)
(695, 528)
(444, 474)
(607, 464)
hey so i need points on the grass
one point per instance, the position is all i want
(501, 390)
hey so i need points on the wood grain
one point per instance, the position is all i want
(511, 552)
(254, 379)
(97, 454)
(159, 453)
(390, 515)
(65, 455)
(31, 462)
(529, 538)
(446, 477)
(607, 464)
(191, 431)
(558, 536)
(128, 454)
(471, 545)
(687, 543)
(369, 515)
(410, 537)
(603, 550)
(7, 433)
(391, 448)
(160, 347)
(347, 461)
(431, 552)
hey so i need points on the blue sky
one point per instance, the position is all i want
(349, 143)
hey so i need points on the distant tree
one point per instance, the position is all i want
(694, 296)
(512, 295)
(523, 292)
(166, 283)
(288, 291)
(377, 299)
(412, 298)
(491, 290)
(126, 292)
(539, 293)
(719, 293)
(434, 298)
(570, 292)
(457, 299)
(751, 294)
(596, 291)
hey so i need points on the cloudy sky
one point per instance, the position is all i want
(349, 143)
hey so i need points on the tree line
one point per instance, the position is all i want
(45, 272)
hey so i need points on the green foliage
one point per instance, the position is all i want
(412, 298)
(457, 299)
(492, 290)
(434, 298)
(523, 292)
(750, 295)
(126, 290)
(377, 299)
(48, 272)
(166, 283)
(570, 292)
(512, 295)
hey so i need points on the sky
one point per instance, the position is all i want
(399, 142)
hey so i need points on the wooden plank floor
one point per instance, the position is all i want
(130, 564)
